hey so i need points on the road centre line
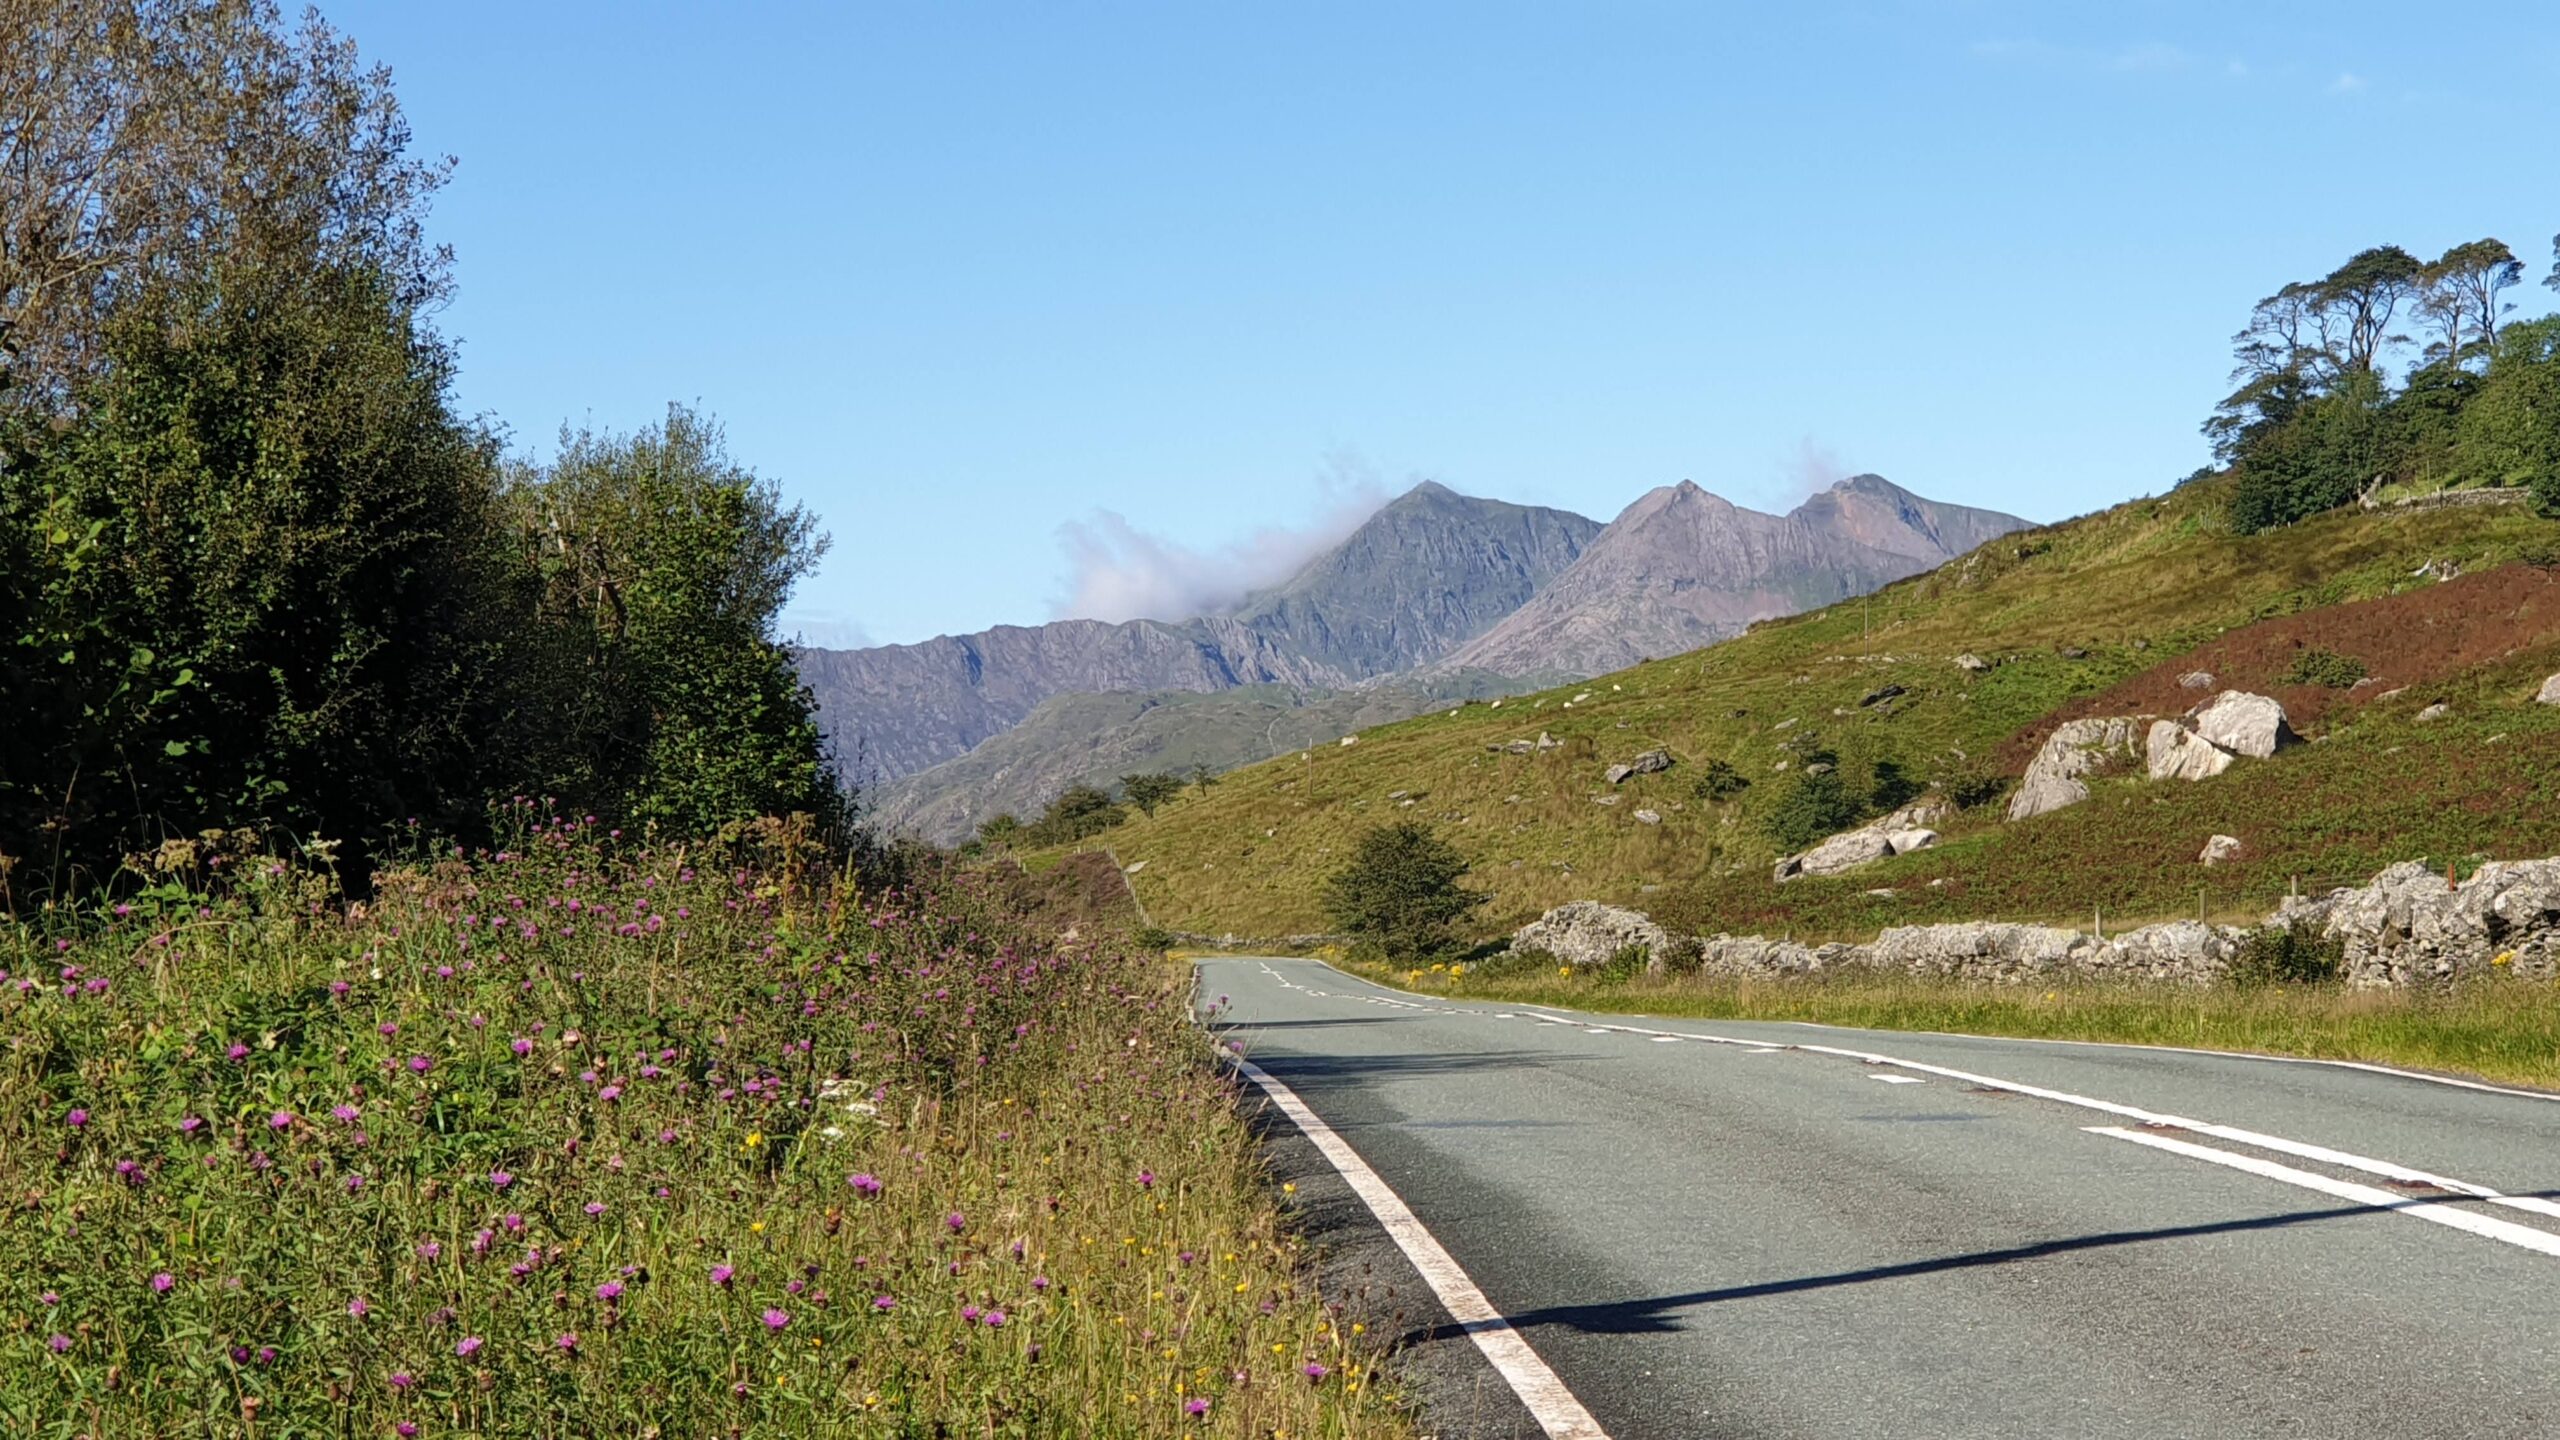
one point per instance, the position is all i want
(1505, 1348)
(2524, 1236)
(2344, 1160)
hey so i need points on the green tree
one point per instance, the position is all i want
(1816, 803)
(2321, 457)
(2510, 433)
(1202, 778)
(1400, 891)
(999, 829)
(1079, 811)
(663, 567)
(2458, 297)
(1149, 791)
(258, 576)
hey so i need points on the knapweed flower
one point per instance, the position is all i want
(402, 1379)
(865, 1185)
(568, 1341)
(406, 1430)
(1315, 1371)
(77, 1118)
(776, 1319)
(348, 1114)
(522, 1046)
(421, 1064)
(59, 1342)
(430, 1249)
(594, 1208)
(995, 1319)
(357, 1307)
(500, 1179)
(609, 1094)
(968, 1314)
(1146, 1179)
(280, 1120)
(609, 1291)
(884, 1302)
(191, 1125)
(1039, 1282)
(467, 1346)
(161, 1282)
(957, 1221)
(721, 1275)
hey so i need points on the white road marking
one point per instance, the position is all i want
(2524, 1236)
(1550, 1403)
(2342, 1159)
(1898, 1079)
(1666, 1039)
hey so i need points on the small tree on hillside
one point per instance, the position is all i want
(1079, 811)
(1149, 791)
(1400, 891)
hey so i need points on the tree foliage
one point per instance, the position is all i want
(2316, 421)
(1400, 891)
(1149, 791)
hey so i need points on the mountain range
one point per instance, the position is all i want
(1438, 596)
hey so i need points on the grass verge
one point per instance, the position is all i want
(2503, 1031)
(587, 1139)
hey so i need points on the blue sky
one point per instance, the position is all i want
(1064, 306)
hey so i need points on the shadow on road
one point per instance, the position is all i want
(1657, 1314)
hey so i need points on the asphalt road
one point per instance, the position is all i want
(1732, 1232)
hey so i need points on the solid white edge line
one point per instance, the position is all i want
(1549, 1401)
(2523, 1236)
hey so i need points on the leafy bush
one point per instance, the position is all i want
(1718, 782)
(1078, 811)
(1629, 962)
(2288, 954)
(1811, 807)
(2327, 668)
(1400, 891)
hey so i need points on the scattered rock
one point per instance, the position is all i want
(2549, 694)
(1350, 740)
(1397, 794)
(1618, 774)
(2174, 752)
(1903, 842)
(2071, 652)
(1880, 696)
(1578, 699)
(2244, 724)
(1885, 893)
(1972, 664)
(2219, 850)
(2196, 680)
(1133, 868)
(1648, 817)
(1604, 799)
(1840, 852)
(2434, 712)
(2076, 749)
(1549, 742)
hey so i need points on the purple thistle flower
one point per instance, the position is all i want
(421, 1064)
(402, 1379)
(500, 1179)
(995, 1319)
(594, 1208)
(77, 1118)
(467, 1346)
(161, 1282)
(568, 1341)
(865, 1185)
(776, 1319)
(280, 1120)
(609, 1291)
(357, 1307)
(1146, 1179)
(721, 1274)
(883, 1302)
(957, 1221)
(1195, 1406)
(1314, 1371)
(60, 1342)
(968, 1314)
(406, 1430)
(346, 1113)
(190, 1125)
(609, 1094)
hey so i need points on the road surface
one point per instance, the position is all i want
(1714, 1228)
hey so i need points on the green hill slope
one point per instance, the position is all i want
(2063, 613)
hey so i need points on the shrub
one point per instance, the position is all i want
(2325, 668)
(2287, 954)
(1812, 806)
(1718, 782)
(1629, 962)
(1400, 891)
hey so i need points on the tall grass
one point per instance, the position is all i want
(588, 1138)
(2497, 1029)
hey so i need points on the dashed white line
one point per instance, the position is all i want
(1898, 1079)
(2525, 1236)
(1550, 1403)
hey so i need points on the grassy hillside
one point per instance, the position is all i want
(2116, 599)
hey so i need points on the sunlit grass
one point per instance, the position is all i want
(2497, 1029)
(585, 1139)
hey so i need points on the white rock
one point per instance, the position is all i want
(1903, 842)
(1349, 740)
(1972, 664)
(2549, 694)
(2245, 724)
(2174, 752)
(2219, 849)
(2076, 749)
(1648, 817)
(2437, 711)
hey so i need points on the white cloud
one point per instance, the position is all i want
(1116, 571)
